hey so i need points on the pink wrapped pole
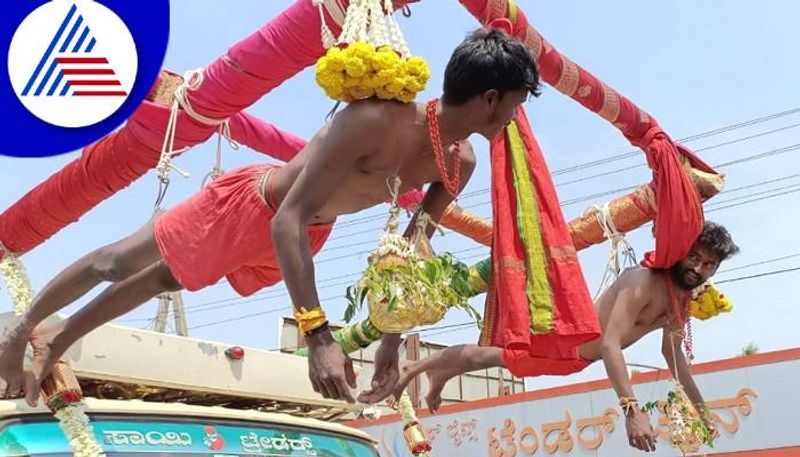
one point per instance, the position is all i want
(264, 60)
(115, 161)
(263, 137)
(253, 67)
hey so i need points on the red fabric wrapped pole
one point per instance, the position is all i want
(681, 220)
(104, 168)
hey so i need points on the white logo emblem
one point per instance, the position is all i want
(72, 63)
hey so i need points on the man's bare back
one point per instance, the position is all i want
(646, 284)
(404, 151)
(652, 317)
(351, 164)
(348, 166)
(640, 301)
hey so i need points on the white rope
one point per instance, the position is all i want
(394, 210)
(372, 21)
(328, 40)
(622, 253)
(223, 132)
(168, 147)
(335, 9)
(418, 209)
(192, 80)
(423, 220)
(399, 41)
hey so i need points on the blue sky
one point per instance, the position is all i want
(696, 66)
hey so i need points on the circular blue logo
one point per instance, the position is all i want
(76, 70)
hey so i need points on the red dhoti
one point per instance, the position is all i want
(225, 231)
(522, 364)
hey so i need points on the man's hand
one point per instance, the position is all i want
(329, 368)
(386, 371)
(641, 433)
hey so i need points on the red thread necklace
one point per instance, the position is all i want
(451, 183)
(681, 313)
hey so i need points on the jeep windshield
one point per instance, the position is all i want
(180, 437)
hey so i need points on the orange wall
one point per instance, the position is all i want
(701, 368)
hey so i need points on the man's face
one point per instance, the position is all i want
(500, 110)
(695, 268)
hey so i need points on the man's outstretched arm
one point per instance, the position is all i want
(630, 300)
(337, 148)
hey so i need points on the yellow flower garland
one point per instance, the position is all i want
(361, 70)
(709, 303)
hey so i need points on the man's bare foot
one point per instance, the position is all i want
(46, 354)
(438, 375)
(12, 353)
(444, 365)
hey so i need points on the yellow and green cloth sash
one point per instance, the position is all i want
(539, 300)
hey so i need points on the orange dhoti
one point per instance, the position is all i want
(225, 231)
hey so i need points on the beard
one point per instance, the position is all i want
(684, 278)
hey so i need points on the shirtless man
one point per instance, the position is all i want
(635, 305)
(260, 223)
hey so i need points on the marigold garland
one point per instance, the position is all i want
(370, 57)
(361, 70)
(708, 302)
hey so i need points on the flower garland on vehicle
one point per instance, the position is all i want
(70, 410)
(370, 58)
(418, 442)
